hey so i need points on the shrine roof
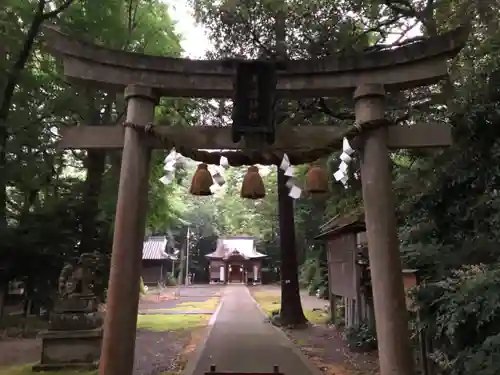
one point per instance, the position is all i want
(155, 248)
(352, 222)
(235, 246)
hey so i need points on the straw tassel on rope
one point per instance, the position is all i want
(253, 186)
(202, 181)
(316, 180)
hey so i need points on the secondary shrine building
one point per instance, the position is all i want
(235, 260)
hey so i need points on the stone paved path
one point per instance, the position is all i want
(241, 340)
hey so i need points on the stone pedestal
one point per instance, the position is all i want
(74, 337)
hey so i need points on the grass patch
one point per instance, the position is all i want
(317, 316)
(161, 323)
(270, 302)
(26, 369)
(209, 304)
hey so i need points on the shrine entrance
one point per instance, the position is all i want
(236, 263)
(236, 273)
(254, 138)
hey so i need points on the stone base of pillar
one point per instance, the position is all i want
(76, 367)
(78, 350)
(74, 338)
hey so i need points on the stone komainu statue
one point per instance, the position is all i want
(65, 286)
(78, 279)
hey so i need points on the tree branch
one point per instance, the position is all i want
(58, 10)
(403, 7)
(15, 73)
(323, 107)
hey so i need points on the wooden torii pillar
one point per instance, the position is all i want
(391, 316)
(117, 353)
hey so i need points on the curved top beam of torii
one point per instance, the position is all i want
(415, 64)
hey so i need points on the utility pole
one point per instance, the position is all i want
(186, 283)
(180, 278)
(181, 266)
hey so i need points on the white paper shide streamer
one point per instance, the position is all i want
(294, 190)
(345, 158)
(172, 159)
(217, 176)
(169, 166)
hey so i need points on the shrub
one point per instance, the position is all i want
(462, 315)
(142, 287)
(322, 291)
(307, 272)
(361, 338)
(170, 280)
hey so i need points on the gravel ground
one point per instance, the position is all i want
(15, 351)
(155, 352)
(327, 349)
(158, 352)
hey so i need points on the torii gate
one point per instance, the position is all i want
(145, 78)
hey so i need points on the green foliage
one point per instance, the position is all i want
(166, 202)
(61, 203)
(464, 318)
(323, 291)
(450, 229)
(361, 338)
(142, 288)
(307, 273)
(170, 280)
(314, 279)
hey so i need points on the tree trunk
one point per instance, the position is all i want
(3, 294)
(291, 307)
(182, 264)
(115, 156)
(95, 164)
(28, 296)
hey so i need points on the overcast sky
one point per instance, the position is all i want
(195, 40)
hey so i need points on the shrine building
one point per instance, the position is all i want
(235, 260)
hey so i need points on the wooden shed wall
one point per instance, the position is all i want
(341, 265)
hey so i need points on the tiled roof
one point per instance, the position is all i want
(245, 246)
(154, 248)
